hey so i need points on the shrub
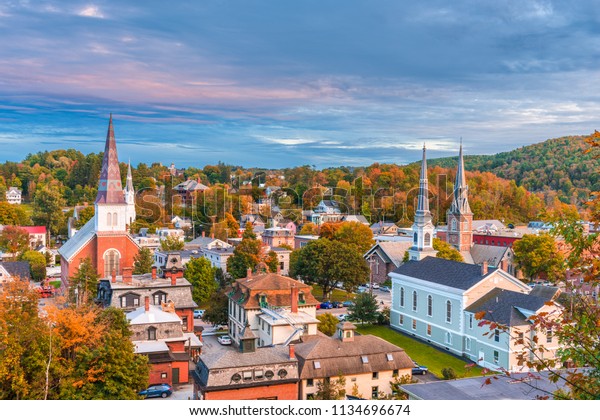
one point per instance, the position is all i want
(448, 373)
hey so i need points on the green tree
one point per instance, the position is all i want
(171, 243)
(217, 310)
(37, 264)
(13, 214)
(14, 240)
(308, 228)
(364, 309)
(446, 251)
(327, 323)
(83, 284)
(84, 215)
(328, 262)
(142, 262)
(245, 255)
(536, 255)
(328, 389)
(201, 274)
(47, 208)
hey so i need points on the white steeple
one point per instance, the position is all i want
(129, 193)
(423, 227)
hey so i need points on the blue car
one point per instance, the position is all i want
(326, 305)
(158, 390)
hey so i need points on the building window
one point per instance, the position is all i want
(467, 343)
(429, 305)
(184, 322)
(159, 297)
(549, 335)
(247, 375)
(448, 311)
(163, 375)
(374, 392)
(151, 333)
(401, 319)
(402, 297)
(497, 335)
(520, 338)
(310, 396)
(415, 300)
(453, 225)
(448, 338)
(429, 329)
(258, 374)
(309, 382)
(427, 239)
(496, 357)
(414, 324)
(415, 237)
(395, 372)
(111, 262)
(108, 219)
(470, 321)
(115, 219)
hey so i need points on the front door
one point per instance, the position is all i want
(175, 375)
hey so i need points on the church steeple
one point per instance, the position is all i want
(423, 227)
(459, 216)
(110, 190)
(130, 196)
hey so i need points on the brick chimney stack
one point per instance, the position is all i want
(294, 300)
(292, 352)
(203, 234)
(484, 268)
(249, 273)
(278, 268)
(173, 279)
(504, 265)
(147, 303)
(153, 273)
(114, 276)
(127, 275)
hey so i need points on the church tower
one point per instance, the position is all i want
(129, 197)
(459, 215)
(111, 208)
(423, 227)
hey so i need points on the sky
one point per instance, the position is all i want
(276, 84)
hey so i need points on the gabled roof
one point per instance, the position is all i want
(358, 218)
(17, 269)
(390, 251)
(82, 237)
(507, 307)
(34, 229)
(191, 185)
(490, 253)
(275, 287)
(154, 315)
(110, 190)
(454, 274)
(336, 357)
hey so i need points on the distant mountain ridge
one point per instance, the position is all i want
(554, 167)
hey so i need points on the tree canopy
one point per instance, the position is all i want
(201, 274)
(143, 261)
(364, 309)
(538, 255)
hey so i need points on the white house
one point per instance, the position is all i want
(13, 195)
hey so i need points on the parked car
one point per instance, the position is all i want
(347, 303)
(342, 317)
(337, 304)
(224, 340)
(375, 286)
(326, 305)
(157, 390)
(419, 369)
(362, 289)
(198, 313)
(385, 289)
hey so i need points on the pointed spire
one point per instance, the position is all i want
(129, 183)
(423, 204)
(460, 202)
(110, 190)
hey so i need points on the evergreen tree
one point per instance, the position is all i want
(364, 309)
(327, 323)
(331, 389)
(245, 255)
(83, 284)
(201, 274)
(142, 262)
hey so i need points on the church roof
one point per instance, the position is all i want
(390, 251)
(110, 190)
(82, 237)
(460, 201)
(455, 274)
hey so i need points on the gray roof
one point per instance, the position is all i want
(82, 237)
(17, 269)
(506, 307)
(391, 251)
(455, 274)
(519, 386)
(545, 292)
(359, 218)
(484, 225)
(231, 357)
(490, 253)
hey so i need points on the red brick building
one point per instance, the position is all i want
(104, 239)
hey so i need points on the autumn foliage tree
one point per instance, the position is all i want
(14, 240)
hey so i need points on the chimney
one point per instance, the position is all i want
(294, 300)
(114, 276)
(173, 279)
(504, 265)
(292, 352)
(127, 275)
(153, 273)
(203, 234)
(484, 268)
(147, 303)
(249, 273)
(212, 235)
(278, 268)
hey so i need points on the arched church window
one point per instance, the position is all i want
(427, 239)
(111, 261)
(453, 224)
(415, 237)
(115, 219)
(108, 219)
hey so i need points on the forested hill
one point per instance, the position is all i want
(556, 166)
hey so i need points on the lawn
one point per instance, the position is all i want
(422, 353)
(55, 284)
(338, 295)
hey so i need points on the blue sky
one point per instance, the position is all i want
(280, 83)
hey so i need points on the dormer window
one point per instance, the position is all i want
(159, 297)
(301, 298)
(151, 333)
(262, 300)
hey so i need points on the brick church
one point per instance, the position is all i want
(105, 238)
